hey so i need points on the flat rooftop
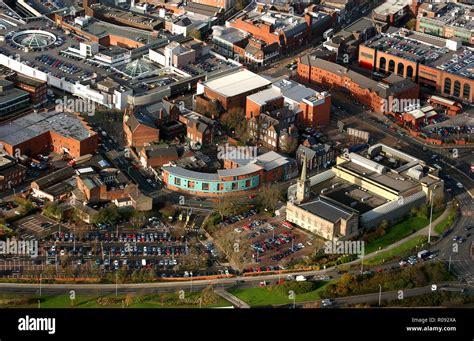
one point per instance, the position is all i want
(328, 210)
(392, 7)
(348, 194)
(237, 83)
(428, 50)
(29, 126)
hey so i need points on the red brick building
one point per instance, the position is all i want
(37, 133)
(157, 155)
(228, 92)
(380, 96)
(11, 173)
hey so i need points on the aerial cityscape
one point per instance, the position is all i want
(309, 154)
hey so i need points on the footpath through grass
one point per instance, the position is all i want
(402, 250)
(400, 231)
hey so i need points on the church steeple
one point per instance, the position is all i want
(302, 187)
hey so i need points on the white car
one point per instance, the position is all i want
(238, 229)
(326, 302)
(460, 185)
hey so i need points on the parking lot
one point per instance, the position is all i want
(262, 243)
(36, 226)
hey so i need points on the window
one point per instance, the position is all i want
(383, 63)
(177, 181)
(409, 71)
(401, 69)
(391, 66)
(235, 186)
(457, 89)
(190, 184)
(247, 183)
(205, 186)
(447, 86)
(466, 93)
(220, 187)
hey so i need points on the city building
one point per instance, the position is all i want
(381, 183)
(380, 96)
(447, 20)
(229, 91)
(276, 130)
(200, 130)
(103, 185)
(55, 186)
(43, 132)
(12, 99)
(443, 65)
(318, 156)
(12, 174)
(241, 175)
(264, 34)
(312, 107)
(37, 89)
(393, 12)
(141, 125)
(157, 155)
(224, 4)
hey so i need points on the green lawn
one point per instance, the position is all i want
(400, 231)
(86, 301)
(266, 296)
(447, 222)
(402, 250)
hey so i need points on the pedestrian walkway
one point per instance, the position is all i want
(237, 302)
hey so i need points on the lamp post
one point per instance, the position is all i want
(380, 294)
(431, 214)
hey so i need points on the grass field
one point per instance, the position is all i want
(402, 250)
(399, 231)
(265, 296)
(447, 222)
(86, 301)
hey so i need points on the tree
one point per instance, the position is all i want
(26, 205)
(235, 120)
(109, 214)
(168, 210)
(53, 211)
(411, 24)
(269, 197)
(196, 34)
(137, 218)
(129, 299)
(289, 144)
(228, 206)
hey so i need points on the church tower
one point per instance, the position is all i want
(302, 187)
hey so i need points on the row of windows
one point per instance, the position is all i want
(466, 89)
(206, 186)
(391, 67)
